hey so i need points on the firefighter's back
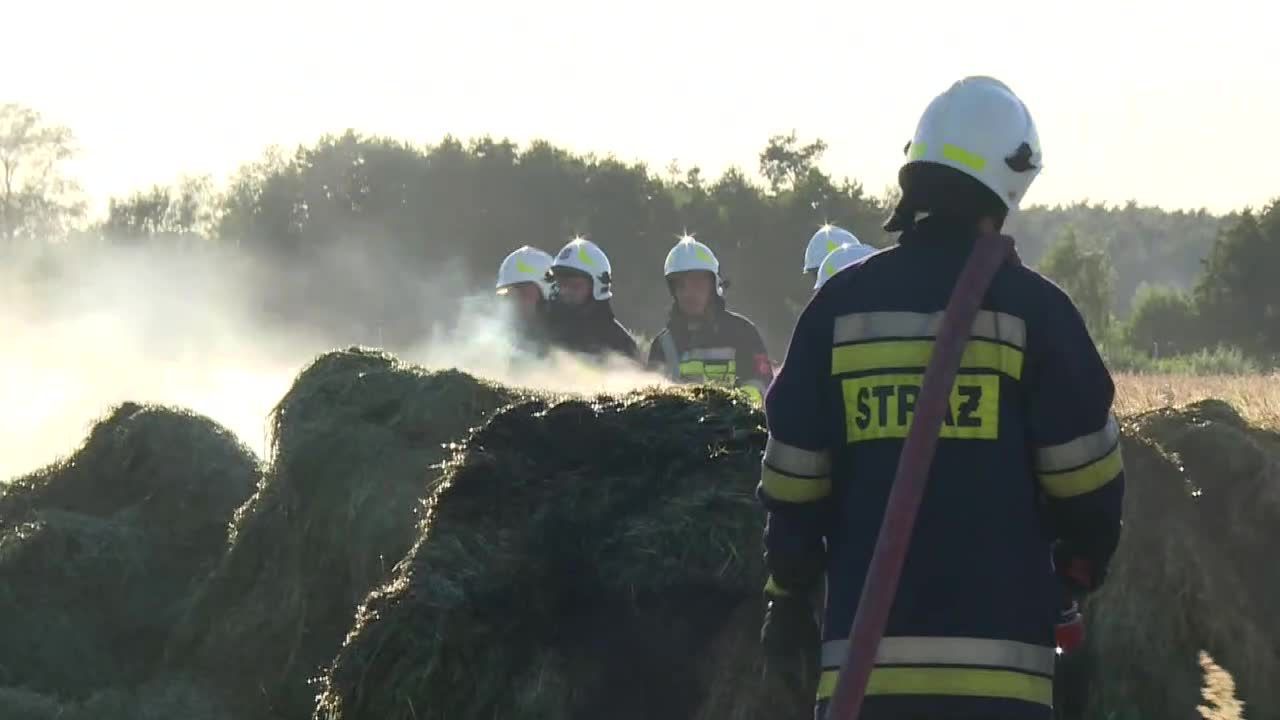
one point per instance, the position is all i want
(973, 618)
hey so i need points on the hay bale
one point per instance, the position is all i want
(99, 552)
(354, 443)
(179, 473)
(163, 698)
(737, 687)
(579, 560)
(1191, 573)
(21, 704)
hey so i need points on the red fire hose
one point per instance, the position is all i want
(881, 585)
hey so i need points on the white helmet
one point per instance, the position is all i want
(584, 256)
(839, 259)
(980, 128)
(828, 238)
(526, 264)
(689, 254)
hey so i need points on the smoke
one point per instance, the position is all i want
(481, 343)
(224, 334)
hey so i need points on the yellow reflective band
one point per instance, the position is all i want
(918, 150)
(794, 460)
(882, 325)
(788, 488)
(716, 370)
(584, 258)
(893, 354)
(753, 394)
(771, 588)
(1081, 451)
(957, 154)
(701, 254)
(879, 407)
(524, 268)
(956, 682)
(967, 651)
(1086, 479)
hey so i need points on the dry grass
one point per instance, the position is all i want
(1219, 692)
(1257, 397)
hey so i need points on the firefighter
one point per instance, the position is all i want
(523, 282)
(703, 341)
(1024, 493)
(580, 314)
(839, 259)
(827, 238)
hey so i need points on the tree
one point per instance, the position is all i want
(182, 212)
(1237, 293)
(1085, 274)
(36, 201)
(1164, 322)
(784, 163)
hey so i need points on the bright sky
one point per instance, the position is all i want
(1133, 99)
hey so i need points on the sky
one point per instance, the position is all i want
(1134, 100)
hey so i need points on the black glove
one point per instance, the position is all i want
(791, 642)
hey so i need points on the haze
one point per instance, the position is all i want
(1134, 100)
(1138, 100)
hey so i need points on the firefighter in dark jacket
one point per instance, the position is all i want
(703, 341)
(580, 315)
(524, 284)
(1024, 495)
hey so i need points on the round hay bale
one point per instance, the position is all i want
(1178, 586)
(733, 660)
(176, 472)
(354, 445)
(163, 698)
(99, 552)
(580, 559)
(22, 704)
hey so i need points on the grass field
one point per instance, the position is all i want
(1257, 397)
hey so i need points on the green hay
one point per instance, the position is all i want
(579, 560)
(165, 698)
(355, 442)
(99, 552)
(1191, 573)
(20, 704)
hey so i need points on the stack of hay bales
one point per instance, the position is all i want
(354, 446)
(1192, 574)
(579, 560)
(100, 552)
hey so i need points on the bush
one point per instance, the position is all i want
(1164, 323)
(1121, 358)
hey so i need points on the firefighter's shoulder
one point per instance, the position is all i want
(1039, 298)
(738, 323)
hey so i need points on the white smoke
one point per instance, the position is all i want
(481, 344)
(84, 329)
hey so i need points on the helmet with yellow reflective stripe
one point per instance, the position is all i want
(689, 255)
(828, 238)
(586, 257)
(839, 259)
(525, 265)
(978, 127)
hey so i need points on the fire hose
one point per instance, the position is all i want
(881, 586)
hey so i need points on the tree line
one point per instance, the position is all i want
(349, 230)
